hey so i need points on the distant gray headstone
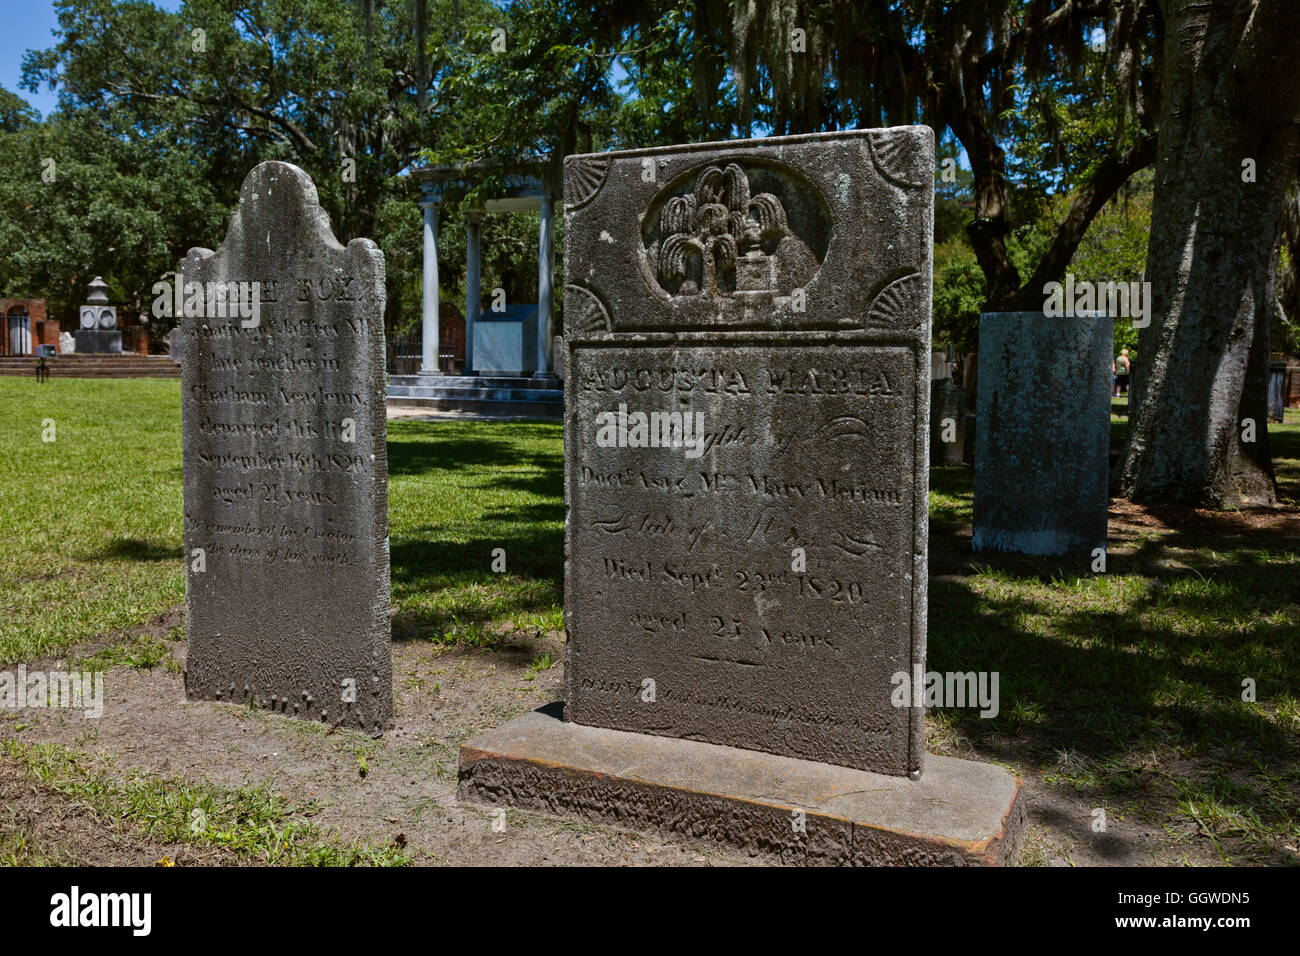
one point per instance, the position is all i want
(286, 472)
(947, 422)
(1277, 391)
(940, 367)
(174, 342)
(1043, 437)
(760, 584)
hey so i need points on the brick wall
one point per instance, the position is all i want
(135, 338)
(44, 330)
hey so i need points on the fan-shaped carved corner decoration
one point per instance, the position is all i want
(584, 313)
(583, 177)
(896, 303)
(898, 159)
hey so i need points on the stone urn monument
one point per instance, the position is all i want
(98, 332)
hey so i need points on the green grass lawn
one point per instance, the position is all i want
(91, 523)
(458, 491)
(240, 825)
(1125, 687)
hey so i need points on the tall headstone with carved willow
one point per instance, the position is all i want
(285, 463)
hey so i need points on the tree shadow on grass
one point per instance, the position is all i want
(1168, 533)
(442, 573)
(1142, 539)
(417, 448)
(458, 575)
(1131, 694)
(1146, 702)
(137, 549)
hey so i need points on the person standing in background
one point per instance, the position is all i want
(1122, 369)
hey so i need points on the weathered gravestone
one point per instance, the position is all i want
(285, 463)
(947, 422)
(747, 370)
(175, 348)
(1276, 391)
(1043, 438)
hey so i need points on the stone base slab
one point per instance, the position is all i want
(98, 341)
(959, 813)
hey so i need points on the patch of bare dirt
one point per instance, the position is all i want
(402, 787)
(1143, 534)
(369, 789)
(1171, 518)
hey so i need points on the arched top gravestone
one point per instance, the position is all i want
(771, 585)
(285, 464)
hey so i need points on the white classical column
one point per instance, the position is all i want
(429, 291)
(545, 293)
(473, 290)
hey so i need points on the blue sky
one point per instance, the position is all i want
(30, 25)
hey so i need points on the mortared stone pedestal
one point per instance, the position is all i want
(960, 813)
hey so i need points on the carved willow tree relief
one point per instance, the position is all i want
(737, 233)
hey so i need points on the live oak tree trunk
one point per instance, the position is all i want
(1231, 101)
(989, 230)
